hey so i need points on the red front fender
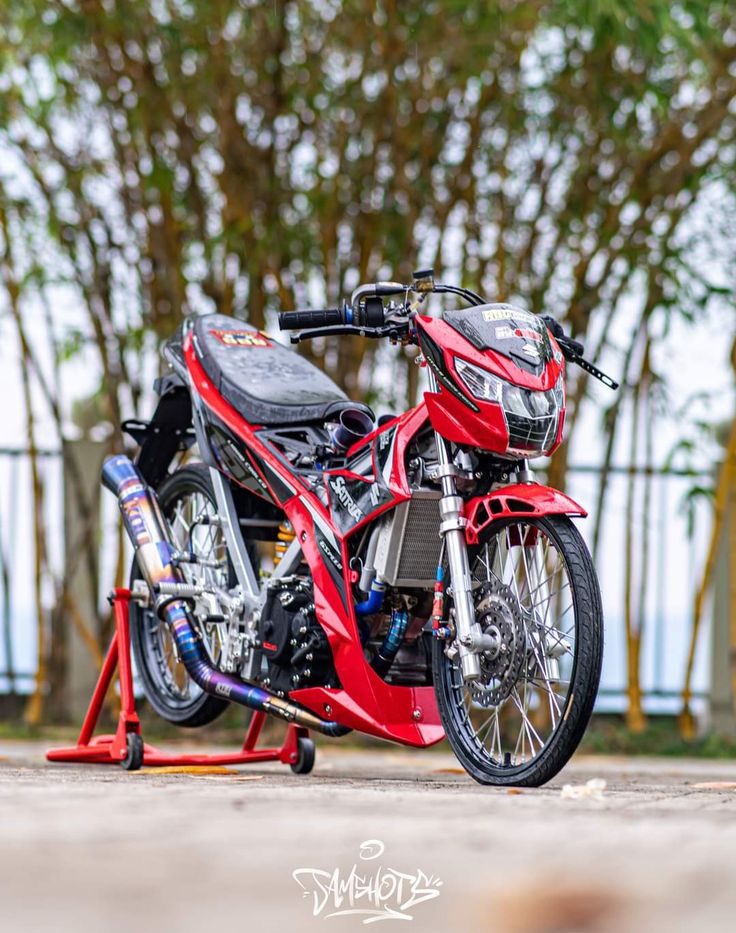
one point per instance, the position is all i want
(515, 502)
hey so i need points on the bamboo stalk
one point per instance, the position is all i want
(635, 718)
(725, 481)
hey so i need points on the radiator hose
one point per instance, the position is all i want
(147, 529)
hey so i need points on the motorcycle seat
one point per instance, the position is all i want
(267, 383)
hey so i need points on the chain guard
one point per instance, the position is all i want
(498, 613)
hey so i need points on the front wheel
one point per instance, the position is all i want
(536, 595)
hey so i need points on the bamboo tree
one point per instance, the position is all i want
(247, 158)
(35, 708)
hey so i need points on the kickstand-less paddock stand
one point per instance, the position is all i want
(126, 746)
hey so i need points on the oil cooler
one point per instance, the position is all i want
(409, 543)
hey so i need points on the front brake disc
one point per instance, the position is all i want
(499, 615)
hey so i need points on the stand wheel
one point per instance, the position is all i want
(306, 753)
(134, 759)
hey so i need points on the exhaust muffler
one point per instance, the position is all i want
(147, 529)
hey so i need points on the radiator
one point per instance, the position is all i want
(409, 542)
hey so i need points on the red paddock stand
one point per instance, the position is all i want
(126, 746)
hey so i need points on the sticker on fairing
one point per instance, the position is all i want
(508, 333)
(499, 314)
(241, 338)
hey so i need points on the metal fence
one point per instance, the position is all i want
(677, 535)
(18, 613)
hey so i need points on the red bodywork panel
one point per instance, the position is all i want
(404, 714)
(408, 715)
(517, 501)
(482, 425)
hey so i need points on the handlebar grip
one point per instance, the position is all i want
(296, 320)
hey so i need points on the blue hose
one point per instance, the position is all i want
(375, 599)
(391, 643)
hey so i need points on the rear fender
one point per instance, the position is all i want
(517, 501)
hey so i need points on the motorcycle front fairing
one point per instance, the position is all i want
(457, 414)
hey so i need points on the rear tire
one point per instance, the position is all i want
(173, 696)
(579, 658)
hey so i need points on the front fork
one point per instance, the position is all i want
(470, 638)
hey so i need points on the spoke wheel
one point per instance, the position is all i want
(188, 502)
(537, 598)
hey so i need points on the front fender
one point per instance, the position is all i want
(521, 499)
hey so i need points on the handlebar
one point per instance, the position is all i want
(366, 316)
(295, 320)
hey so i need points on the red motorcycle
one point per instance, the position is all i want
(405, 577)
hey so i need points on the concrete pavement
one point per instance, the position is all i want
(94, 848)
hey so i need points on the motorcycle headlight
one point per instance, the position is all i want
(532, 416)
(481, 383)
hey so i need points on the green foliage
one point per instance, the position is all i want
(184, 156)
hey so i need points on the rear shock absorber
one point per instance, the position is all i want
(285, 536)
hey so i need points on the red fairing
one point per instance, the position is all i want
(402, 714)
(480, 424)
(515, 502)
(366, 702)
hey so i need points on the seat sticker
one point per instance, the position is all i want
(241, 338)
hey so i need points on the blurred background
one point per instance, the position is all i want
(166, 158)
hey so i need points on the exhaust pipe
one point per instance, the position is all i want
(146, 527)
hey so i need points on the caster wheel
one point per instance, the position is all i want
(306, 753)
(134, 759)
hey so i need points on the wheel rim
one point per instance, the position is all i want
(524, 598)
(192, 519)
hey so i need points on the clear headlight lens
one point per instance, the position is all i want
(482, 384)
(531, 416)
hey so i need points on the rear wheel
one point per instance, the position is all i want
(536, 594)
(188, 502)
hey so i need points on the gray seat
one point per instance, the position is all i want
(265, 382)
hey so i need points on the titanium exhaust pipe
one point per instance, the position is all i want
(146, 527)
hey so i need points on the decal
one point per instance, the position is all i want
(329, 553)
(328, 547)
(499, 314)
(241, 338)
(384, 454)
(352, 500)
(338, 487)
(509, 333)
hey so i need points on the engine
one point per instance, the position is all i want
(412, 666)
(294, 644)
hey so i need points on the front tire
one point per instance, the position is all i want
(537, 593)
